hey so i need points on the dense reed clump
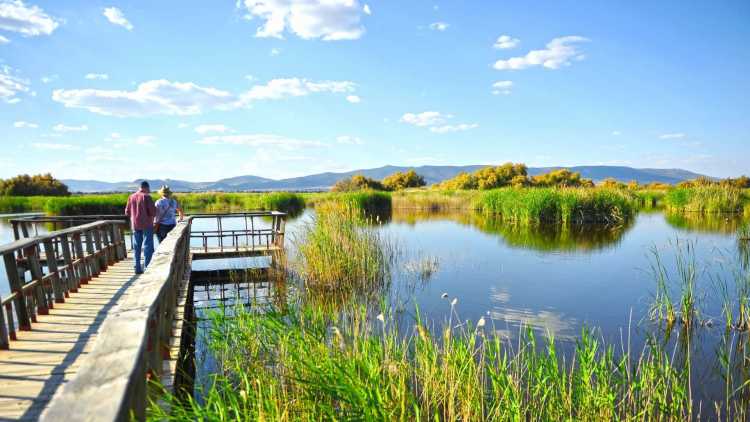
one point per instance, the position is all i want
(86, 204)
(706, 199)
(339, 250)
(305, 365)
(291, 203)
(564, 205)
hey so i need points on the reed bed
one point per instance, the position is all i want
(706, 199)
(115, 203)
(291, 203)
(563, 205)
(304, 364)
(341, 251)
(436, 200)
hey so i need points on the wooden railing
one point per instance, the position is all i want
(58, 263)
(133, 342)
(249, 236)
(25, 227)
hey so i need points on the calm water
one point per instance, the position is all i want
(554, 281)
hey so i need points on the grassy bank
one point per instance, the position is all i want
(707, 200)
(304, 365)
(436, 200)
(562, 205)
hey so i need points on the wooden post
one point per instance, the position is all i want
(83, 268)
(71, 275)
(35, 267)
(90, 254)
(4, 339)
(16, 234)
(55, 279)
(16, 286)
(24, 230)
(100, 253)
(9, 317)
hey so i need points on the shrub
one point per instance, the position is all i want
(355, 183)
(40, 184)
(402, 180)
(488, 178)
(561, 178)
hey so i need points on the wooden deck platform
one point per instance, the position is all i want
(43, 359)
(231, 252)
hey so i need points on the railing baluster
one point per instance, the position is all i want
(16, 286)
(54, 279)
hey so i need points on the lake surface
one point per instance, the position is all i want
(554, 281)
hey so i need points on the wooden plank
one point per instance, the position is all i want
(40, 361)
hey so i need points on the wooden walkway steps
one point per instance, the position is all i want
(49, 355)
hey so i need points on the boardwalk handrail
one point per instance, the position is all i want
(23, 226)
(254, 236)
(132, 343)
(59, 262)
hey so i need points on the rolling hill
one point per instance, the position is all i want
(323, 181)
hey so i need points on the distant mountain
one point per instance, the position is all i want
(323, 181)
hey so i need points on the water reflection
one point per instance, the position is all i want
(540, 237)
(706, 223)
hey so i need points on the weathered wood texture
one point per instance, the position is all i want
(43, 359)
(58, 266)
(134, 344)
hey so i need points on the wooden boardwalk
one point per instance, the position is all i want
(43, 359)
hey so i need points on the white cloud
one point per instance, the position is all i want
(250, 78)
(672, 136)
(145, 140)
(48, 79)
(11, 85)
(150, 98)
(259, 140)
(330, 20)
(277, 89)
(502, 87)
(204, 129)
(21, 124)
(435, 121)
(97, 76)
(366, 9)
(505, 42)
(275, 52)
(182, 125)
(349, 140)
(427, 118)
(63, 128)
(29, 21)
(453, 128)
(439, 26)
(54, 147)
(559, 52)
(187, 98)
(115, 16)
(616, 133)
(4, 40)
(354, 99)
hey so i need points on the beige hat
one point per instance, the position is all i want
(165, 191)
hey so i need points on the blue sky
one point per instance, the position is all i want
(203, 90)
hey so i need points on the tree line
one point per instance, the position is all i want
(37, 185)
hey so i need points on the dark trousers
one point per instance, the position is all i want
(163, 231)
